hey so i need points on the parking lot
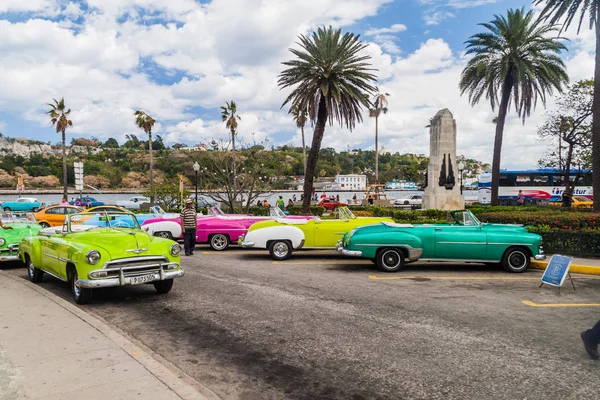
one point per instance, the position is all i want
(319, 327)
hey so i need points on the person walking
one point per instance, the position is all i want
(188, 223)
(520, 198)
(294, 198)
(280, 202)
(591, 339)
(64, 201)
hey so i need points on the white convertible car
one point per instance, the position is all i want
(133, 203)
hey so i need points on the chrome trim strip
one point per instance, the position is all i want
(463, 243)
(65, 260)
(136, 251)
(351, 253)
(540, 257)
(134, 259)
(514, 244)
(9, 258)
(459, 260)
(248, 244)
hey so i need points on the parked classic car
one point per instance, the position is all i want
(100, 256)
(22, 225)
(410, 200)
(22, 204)
(55, 215)
(161, 227)
(284, 235)
(84, 201)
(576, 202)
(391, 245)
(330, 203)
(133, 203)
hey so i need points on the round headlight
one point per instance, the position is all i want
(92, 257)
(2, 242)
(175, 250)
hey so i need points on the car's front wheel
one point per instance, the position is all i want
(164, 287)
(35, 275)
(35, 209)
(44, 225)
(516, 259)
(80, 295)
(390, 260)
(6, 208)
(280, 250)
(165, 234)
(219, 242)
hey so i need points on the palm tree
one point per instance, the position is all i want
(517, 60)
(230, 117)
(146, 122)
(332, 82)
(379, 106)
(59, 119)
(555, 10)
(300, 119)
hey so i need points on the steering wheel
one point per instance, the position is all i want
(120, 224)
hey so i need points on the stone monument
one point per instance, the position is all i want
(442, 189)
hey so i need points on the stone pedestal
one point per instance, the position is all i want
(443, 177)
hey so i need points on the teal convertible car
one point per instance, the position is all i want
(391, 245)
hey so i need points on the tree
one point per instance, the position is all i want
(146, 123)
(111, 143)
(554, 11)
(330, 80)
(518, 60)
(167, 196)
(569, 124)
(230, 117)
(59, 119)
(300, 119)
(379, 106)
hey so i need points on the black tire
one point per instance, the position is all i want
(163, 287)
(516, 259)
(44, 225)
(6, 208)
(219, 242)
(165, 235)
(280, 250)
(36, 209)
(406, 202)
(390, 260)
(35, 275)
(80, 295)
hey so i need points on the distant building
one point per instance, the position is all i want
(198, 147)
(351, 182)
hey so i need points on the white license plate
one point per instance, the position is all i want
(136, 280)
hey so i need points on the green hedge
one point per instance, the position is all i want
(575, 243)
(552, 220)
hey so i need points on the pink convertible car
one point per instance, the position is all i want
(220, 230)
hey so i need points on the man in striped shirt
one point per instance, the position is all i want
(188, 223)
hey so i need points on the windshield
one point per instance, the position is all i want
(345, 213)
(216, 210)
(582, 199)
(157, 210)
(465, 218)
(10, 217)
(276, 212)
(103, 220)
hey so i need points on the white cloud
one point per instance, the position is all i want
(436, 17)
(25, 6)
(395, 28)
(385, 38)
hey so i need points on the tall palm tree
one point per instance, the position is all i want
(230, 117)
(146, 123)
(300, 119)
(517, 60)
(379, 106)
(555, 10)
(330, 80)
(59, 119)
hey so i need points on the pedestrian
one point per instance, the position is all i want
(88, 203)
(290, 203)
(520, 198)
(354, 197)
(266, 203)
(294, 198)
(64, 201)
(591, 339)
(259, 203)
(280, 202)
(43, 205)
(188, 223)
(78, 202)
(337, 198)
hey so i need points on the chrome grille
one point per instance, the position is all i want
(135, 263)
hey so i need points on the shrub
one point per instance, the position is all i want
(554, 220)
(585, 243)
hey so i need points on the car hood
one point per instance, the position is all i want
(119, 243)
(18, 231)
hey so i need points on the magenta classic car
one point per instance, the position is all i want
(220, 230)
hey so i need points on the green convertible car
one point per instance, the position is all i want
(109, 249)
(19, 226)
(391, 245)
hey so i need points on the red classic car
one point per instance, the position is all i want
(331, 203)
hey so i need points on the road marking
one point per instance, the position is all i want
(322, 262)
(453, 278)
(532, 304)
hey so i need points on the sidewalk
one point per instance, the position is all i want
(51, 349)
(588, 266)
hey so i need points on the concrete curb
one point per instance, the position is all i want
(174, 380)
(575, 268)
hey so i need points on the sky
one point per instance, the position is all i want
(180, 60)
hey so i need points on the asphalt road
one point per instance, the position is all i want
(317, 327)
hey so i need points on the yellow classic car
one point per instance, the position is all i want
(283, 235)
(576, 202)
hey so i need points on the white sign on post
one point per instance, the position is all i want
(78, 167)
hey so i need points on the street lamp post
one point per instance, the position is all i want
(196, 168)
(461, 168)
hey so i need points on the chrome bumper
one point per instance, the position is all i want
(540, 257)
(247, 244)
(123, 280)
(14, 257)
(352, 253)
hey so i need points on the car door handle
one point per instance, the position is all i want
(439, 229)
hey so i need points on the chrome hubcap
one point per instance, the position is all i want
(517, 260)
(219, 242)
(30, 269)
(164, 235)
(280, 249)
(391, 259)
(76, 289)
